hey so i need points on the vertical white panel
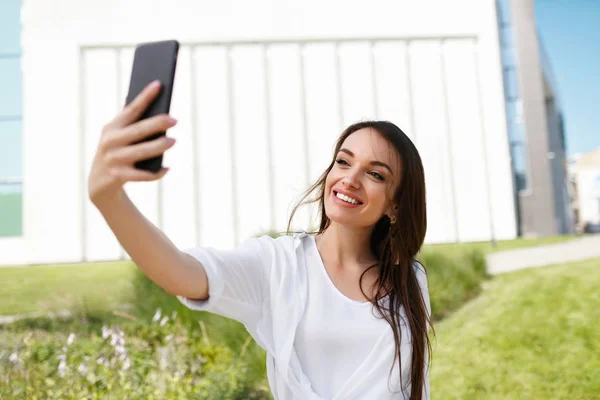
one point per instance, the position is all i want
(321, 98)
(431, 140)
(250, 141)
(356, 78)
(100, 108)
(177, 186)
(287, 134)
(214, 147)
(124, 64)
(393, 89)
(468, 152)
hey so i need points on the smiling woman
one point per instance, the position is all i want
(341, 313)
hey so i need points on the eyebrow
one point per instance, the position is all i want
(379, 163)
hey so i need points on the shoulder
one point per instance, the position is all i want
(269, 246)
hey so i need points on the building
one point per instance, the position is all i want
(535, 125)
(585, 175)
(263, 89)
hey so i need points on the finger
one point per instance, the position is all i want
(134, 110)
(140, 130)
(132, 174)
(136, 152)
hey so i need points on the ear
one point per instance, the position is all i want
(392, 210)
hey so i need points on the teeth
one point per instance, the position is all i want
(346, 198)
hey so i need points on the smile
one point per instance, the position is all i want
(347, 199)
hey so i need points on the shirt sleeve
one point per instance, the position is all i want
(237, 279)
(423, 285)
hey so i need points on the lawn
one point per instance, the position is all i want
(53, 288)
(107, 285)
(529, 335)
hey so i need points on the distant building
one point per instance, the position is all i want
(585, 175)
(263, 90)
(535, 125)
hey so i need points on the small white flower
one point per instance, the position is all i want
(126, 364)
(13, 358)
(120, 349)
(106, 332)
(157, 315)
(82, 369)
(174, 315)
(61, 357)
(100, 360)
(62, 368)
(164, 321)
(169, 337)
(70, 339)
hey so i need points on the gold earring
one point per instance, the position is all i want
(393, 219)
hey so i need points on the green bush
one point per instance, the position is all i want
(180, 354)
(156, 360)
(453, 280)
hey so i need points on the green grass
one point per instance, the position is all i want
(11, 214)
(530, 335)
(53, 288)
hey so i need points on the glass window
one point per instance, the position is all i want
(520, 164)
(511, 84)
(10, 87)
(509, 58)
(10, 149)
(11, 26)
(506, 36)
(11, 205)
(503, 8)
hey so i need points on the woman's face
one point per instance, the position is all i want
(367, 171)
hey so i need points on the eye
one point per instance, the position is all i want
(377, 175)
(341, 161)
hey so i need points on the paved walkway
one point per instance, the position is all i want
(539, 256)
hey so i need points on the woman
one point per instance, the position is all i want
(342, 313)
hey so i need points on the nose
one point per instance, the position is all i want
(350, 181)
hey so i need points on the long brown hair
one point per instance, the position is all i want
(395, 246)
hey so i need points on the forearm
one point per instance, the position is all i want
(152, 251)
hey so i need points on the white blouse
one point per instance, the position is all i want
(319, 343)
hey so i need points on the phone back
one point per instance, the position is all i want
(154, 61)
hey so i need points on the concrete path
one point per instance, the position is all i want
(539, 256)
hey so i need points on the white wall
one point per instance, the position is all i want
(62, 114)
(588, 187)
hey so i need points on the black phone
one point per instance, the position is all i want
(153, 61)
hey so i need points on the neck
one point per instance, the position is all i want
(347, 247)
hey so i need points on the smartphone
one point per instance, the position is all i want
(153, 61)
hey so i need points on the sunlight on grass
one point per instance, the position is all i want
(529, 335)
(51, 288)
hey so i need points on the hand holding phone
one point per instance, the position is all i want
(113, 163)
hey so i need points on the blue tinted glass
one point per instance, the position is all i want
(10, 26)
(10, 87)
(511, 84)
(503, 7)
(506, 37)
(508, 56)
(11, 149)
(519, 155)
